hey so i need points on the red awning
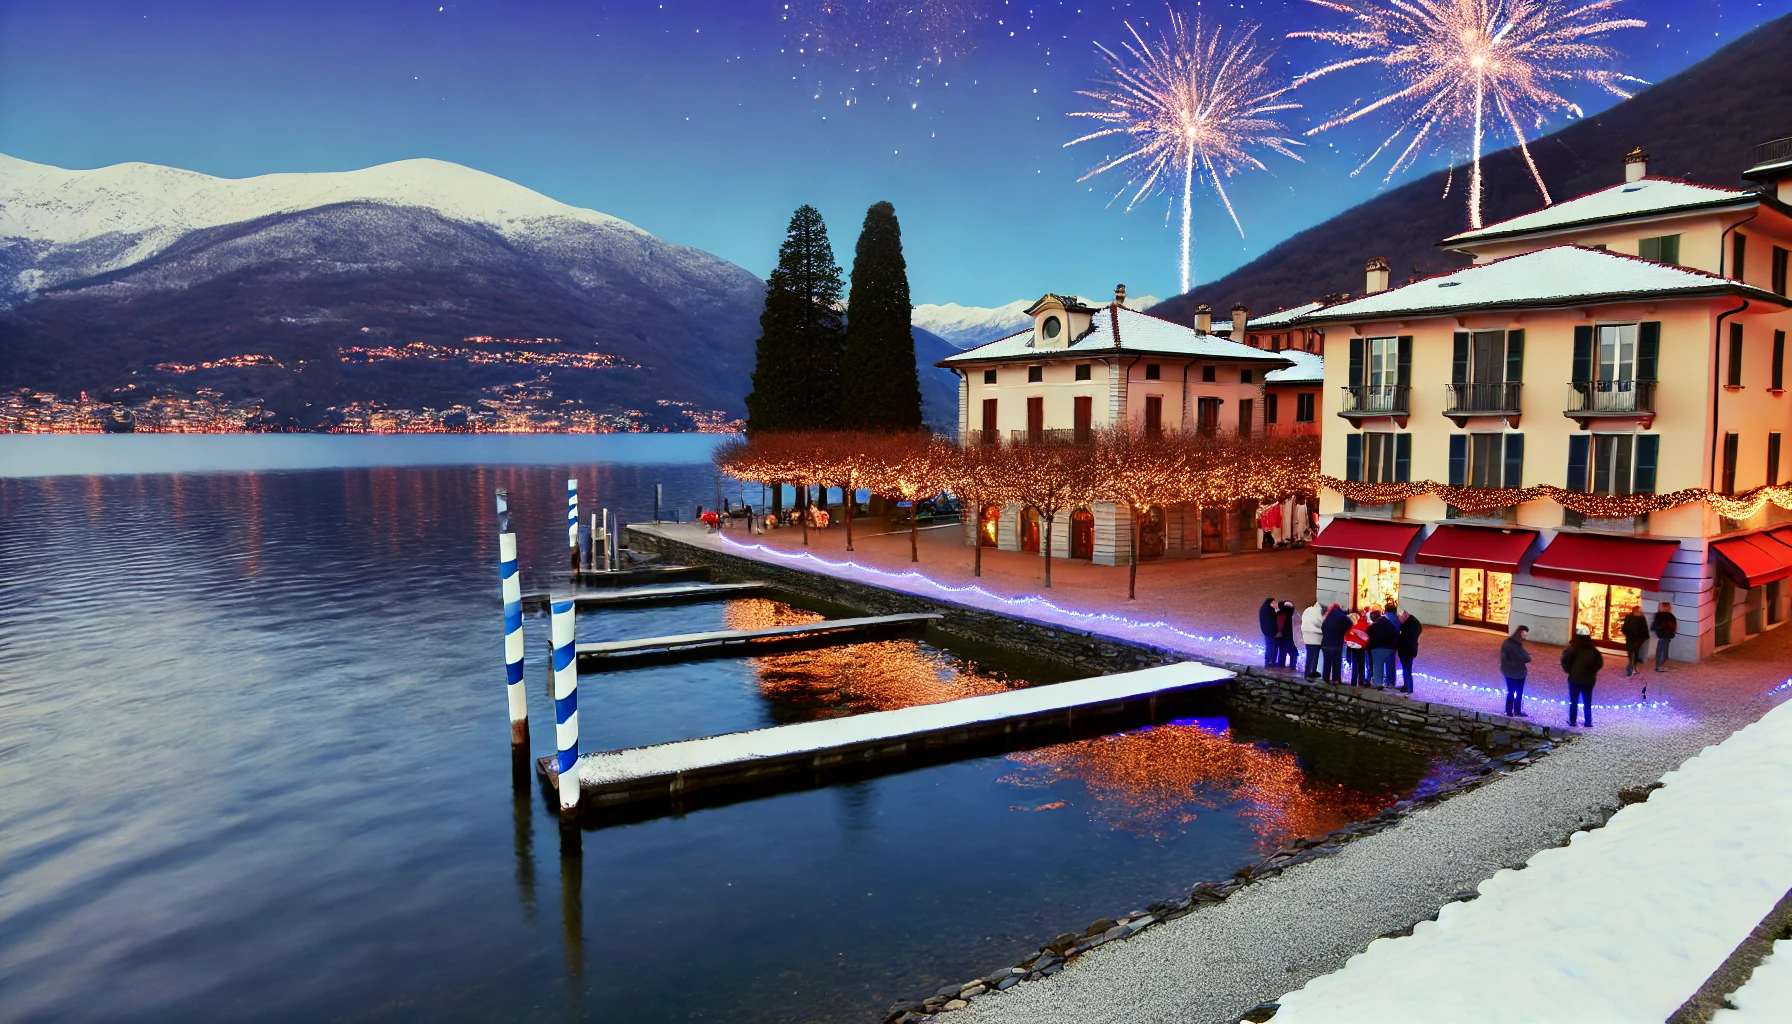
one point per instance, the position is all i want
(1754, 559)
(1475, 547)
(1619, 561)
(1365, 538)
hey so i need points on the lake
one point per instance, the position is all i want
(254, 763)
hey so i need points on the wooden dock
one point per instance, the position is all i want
(644, 782)
(641, 575)
(671, 593)
(735, 643)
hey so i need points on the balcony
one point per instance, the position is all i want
(1600, 399)
(1462, 401)
(1371, 400)
(1054, 435)
(975, 437)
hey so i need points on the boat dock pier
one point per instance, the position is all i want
(669, 593)
(736, 643)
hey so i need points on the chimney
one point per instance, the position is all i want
(1204, 319)
(1119, 295)
(1241, 314)
(1377, 280)
(1636, 164)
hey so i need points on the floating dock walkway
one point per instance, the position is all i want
(673, 593)
(643, 782)
(640, 575)
(733, 643)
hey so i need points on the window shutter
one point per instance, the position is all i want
(1730, 445)
(1405, 378)
(1583, 353)
(1648, 450)
(1458, 459)
(1269, 407)
(1648, 348)
(1739, 255)
(1402, 458)
(1459, 359)
(1353, 457)
(1514, 460)
(1779, 360)
(1356, 362)
(1733, 376)
(1514, 356)
(1577, 459)
(1773, 459)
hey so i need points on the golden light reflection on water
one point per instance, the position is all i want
(1154, 782)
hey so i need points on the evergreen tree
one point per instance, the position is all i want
(796, 373)
(880, 388)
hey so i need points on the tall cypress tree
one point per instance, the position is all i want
(880, 389)
(796, 373)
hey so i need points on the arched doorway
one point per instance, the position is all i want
(989, 523)
(1082, 534)
(1151, 533)
(1029, 529)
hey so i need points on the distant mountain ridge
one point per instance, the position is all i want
(1699, 124)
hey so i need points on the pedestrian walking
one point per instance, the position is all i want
(1312, 635)
(1384, 647)
(1664, 626)
(1356, 647)
(1410, 628)
(1514, 665)
(1266, 622)
(1635, 630)
(1287, 624)
(1582, 661)
(1331, 643)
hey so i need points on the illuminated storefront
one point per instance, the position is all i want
(1600, 608)
(1483, 598)
(1377, 583)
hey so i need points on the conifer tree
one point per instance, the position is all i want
(796, 373)
(880, 389)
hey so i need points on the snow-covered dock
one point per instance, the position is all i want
(673, 593)
(792, 756)
(728, 643)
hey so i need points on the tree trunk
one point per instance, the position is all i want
(778, 498)
(1200, 531)
(1048, 551)
(1132, 578)
(914, 530)
(802, 511)
(848, 493)
(977, 541)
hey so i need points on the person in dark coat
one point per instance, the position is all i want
(1287, 623)
(1664, 627)
(1266, 622)
(1410, 628)
(1331, 642)
(1384, 645)
(1515, 665)
(1636, 634)
(1582, 661)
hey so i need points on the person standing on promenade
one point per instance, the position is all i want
(1410, 628)
(1664, 627)
(1266, 622)
(1287, 625)
(1636, 635)
(1384, 644)
(1582, 661)
(1514, 662)
(1312, 634)
(1356, 644)
(1331, 643)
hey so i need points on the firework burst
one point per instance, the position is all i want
(1456, 65)
(1191, 103)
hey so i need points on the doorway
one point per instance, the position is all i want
(1151, 533)
(989, 525)
(1483, 598)
(1213, 530)
(1082, 534)
(1029, 529)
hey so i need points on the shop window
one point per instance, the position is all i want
(1483, 597)
(1600, 610)
(1377, 583)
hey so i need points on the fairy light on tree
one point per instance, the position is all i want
(1454, 64)
(1191, 102)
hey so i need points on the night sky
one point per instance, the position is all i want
(706, 123)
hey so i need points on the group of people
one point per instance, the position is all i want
(1374, 641)
(1582, 660)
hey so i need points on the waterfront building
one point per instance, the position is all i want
(1079, 368)
(1626, 342)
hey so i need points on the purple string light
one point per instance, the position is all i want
(1224, 642)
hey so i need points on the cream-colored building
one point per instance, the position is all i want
(1627, 341)
(1080, 368)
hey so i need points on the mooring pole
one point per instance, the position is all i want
(566, 707)
(657, 495)
(607, 565)
(510, 586)
(572, 520)
(591, 558)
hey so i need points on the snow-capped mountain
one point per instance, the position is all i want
(965, 326)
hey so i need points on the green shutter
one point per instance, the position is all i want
(1648, 449)
(1458, 459)
(1353, 457)
(1402, 458)
(1514, 356)
(1405, 378)
(1583, 353)
(1648, 349)
(1514, 460)
(1459, 359)
(1577, 461)
(1733, 377)
(1356, 362)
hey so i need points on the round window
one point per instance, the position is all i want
(1052, 326)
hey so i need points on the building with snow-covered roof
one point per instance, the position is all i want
(1080, 368)
(1627, 342)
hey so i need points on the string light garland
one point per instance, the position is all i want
(1594, 506)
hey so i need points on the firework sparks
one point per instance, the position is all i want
(1192, 103)
(897, 37)
(1455, 64)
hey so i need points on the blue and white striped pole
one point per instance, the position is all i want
(511, 585)
(566, 707)
(572, 521)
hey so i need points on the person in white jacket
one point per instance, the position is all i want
(1312, 633)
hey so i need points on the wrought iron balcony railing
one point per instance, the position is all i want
(1481, 399)
(1375, 400)
(1611, 398)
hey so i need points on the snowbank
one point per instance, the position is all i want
(1768, 995)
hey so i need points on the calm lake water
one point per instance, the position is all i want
(254, 764)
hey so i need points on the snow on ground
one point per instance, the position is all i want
(1768, 995)
(1623, 924)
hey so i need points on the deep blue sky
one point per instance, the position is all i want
(703, 123)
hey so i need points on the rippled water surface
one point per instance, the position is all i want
(254, 764)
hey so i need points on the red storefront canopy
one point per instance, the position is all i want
(1618, 561)
(1475, 547)
(1365, 538)
(1756, 558)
